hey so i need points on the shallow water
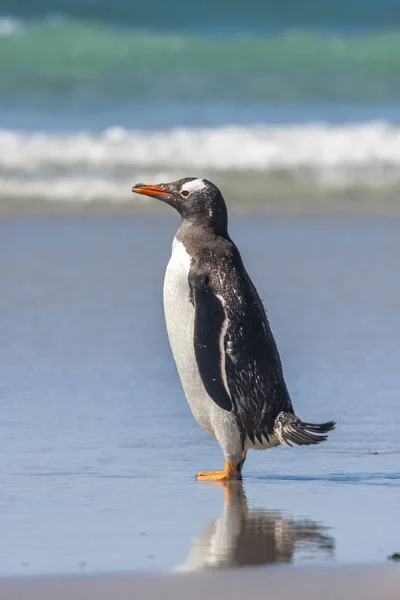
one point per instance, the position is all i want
(98, 448)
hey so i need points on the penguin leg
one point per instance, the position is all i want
(231, 472)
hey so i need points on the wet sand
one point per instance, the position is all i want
(98, 447)
(304, 584)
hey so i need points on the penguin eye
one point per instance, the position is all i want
(185, 193)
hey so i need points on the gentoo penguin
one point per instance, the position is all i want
(220, 337)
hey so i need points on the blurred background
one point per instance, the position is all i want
(286, 104)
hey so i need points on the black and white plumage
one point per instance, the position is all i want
(220, 336)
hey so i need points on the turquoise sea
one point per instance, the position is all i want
(302, 98)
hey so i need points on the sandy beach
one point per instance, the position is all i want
(98, 447)
(305, 584)
(293, 111)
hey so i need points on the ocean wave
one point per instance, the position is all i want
(259, 147)
(252, 15)
(86, 166)
(9, 25)
(90, 61)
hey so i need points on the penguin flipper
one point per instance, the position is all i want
(210, 327)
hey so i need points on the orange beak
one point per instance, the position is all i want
(148, 190)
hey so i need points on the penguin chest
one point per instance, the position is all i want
(180, 318)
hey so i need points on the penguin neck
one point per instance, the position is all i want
(213, 221)
(205, 226)
(194, 233)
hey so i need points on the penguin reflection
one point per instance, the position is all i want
(247, 537)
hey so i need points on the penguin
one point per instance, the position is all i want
(221, 340)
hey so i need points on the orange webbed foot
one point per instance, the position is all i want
(230, 473)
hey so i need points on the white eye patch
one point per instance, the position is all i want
(193, 186)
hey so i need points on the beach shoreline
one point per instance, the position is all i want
(367, 582)
(99, 448)
(294, 205)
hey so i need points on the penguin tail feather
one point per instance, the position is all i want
(290, 430)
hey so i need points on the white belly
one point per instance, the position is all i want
(179, 316)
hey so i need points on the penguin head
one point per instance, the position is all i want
(195, 199)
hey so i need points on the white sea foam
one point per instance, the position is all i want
(9, 25)
(243, 148)
(85, 165)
